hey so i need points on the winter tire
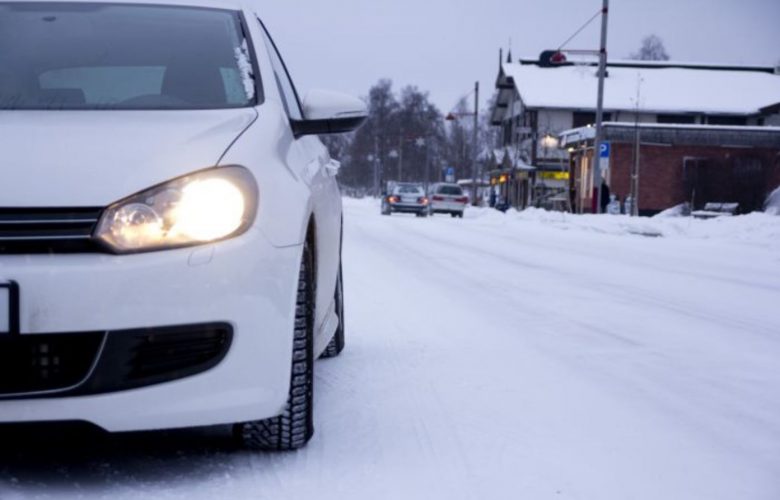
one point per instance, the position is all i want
(294, 428)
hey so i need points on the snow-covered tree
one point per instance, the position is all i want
(652, 49)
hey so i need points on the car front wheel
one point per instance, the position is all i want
(294, 428)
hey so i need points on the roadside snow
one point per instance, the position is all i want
(529, 355)
(759, 229)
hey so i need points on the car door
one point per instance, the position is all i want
(319, 174)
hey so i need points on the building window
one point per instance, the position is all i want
(582, 119)
(681, 119)
(726, 120)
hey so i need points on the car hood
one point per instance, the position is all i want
(94, 158)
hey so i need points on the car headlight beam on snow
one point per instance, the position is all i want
(204, 207)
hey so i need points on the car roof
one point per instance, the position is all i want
(213, 4)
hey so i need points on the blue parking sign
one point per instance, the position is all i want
(606, 149)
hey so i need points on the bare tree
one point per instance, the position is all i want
(652, 49)
(410, 125)
(375, 138)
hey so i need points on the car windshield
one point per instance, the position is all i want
(124, 57)
(409, 190)
(450, 190)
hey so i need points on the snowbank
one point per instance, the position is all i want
(759, 229)
(756, 228)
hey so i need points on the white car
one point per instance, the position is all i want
(448, 199)
(406, 198)
(170, 224)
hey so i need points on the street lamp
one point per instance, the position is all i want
(374, 160)
(422, 142)
(475, 165)
(550, 142)
(394, 154)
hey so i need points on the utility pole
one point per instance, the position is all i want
(475, 165)
(637, 145)
(400, 155)
(376, 166)
(427, 164)
(600, 106)
(635, 175)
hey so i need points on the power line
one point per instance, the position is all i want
(595, 16)
(462, 100)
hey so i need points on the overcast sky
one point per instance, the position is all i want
(443, 46)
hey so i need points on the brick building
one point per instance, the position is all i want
(696, 164)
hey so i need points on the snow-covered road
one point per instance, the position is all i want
(531, 355)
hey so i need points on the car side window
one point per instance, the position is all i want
(282, 77)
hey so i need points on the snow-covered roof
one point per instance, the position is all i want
(512, 153)
(663, 90)
(671, 133)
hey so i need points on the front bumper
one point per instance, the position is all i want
(246, 284)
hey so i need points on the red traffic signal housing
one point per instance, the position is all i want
(550, 58)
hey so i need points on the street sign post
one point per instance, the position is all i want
(449, 175)
(605, 154)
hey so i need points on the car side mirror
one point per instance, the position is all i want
(330, 113)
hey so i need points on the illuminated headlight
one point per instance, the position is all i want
(203, 207)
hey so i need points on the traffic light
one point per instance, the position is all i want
(551, 58)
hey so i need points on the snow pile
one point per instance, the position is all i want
(682, 210)
(756, 229)
(759, 229)
(772, 206)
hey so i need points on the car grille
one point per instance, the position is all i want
(80, 364)
(48, 230)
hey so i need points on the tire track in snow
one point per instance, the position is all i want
(447, 268)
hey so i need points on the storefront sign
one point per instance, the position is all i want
(554, 176)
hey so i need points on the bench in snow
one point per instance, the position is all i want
(713, 210)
